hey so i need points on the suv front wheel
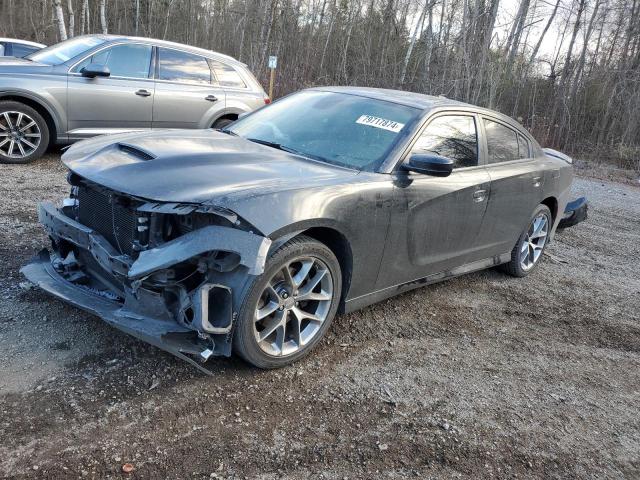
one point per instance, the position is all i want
(24, 134)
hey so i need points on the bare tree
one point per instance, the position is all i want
(59, 19)
(103, 16)
(72, 18)
(581, 95)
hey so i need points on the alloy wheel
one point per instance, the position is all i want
(293, 306)
(20, 135)
(534, 242)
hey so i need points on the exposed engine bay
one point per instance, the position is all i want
(164, 272)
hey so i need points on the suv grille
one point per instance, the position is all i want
(116, 223)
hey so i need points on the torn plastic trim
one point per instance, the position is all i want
(251, 248)
(164, 334)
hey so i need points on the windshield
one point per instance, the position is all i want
(63, 51)
(347, 130)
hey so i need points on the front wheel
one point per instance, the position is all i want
(528, 251)
(24, 135)
(287, 310)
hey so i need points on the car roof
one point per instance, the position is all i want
(402, 97)
(418, 100)
(23, 42)
(166, 43)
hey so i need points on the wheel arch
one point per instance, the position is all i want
(337, 242)
(328, 233)
(230, 113)
(39, 106)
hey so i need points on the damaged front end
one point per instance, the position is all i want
(166, 273)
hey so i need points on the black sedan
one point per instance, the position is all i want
(251, 238)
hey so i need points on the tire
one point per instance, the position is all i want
(518, 267)
(285, 346)
(222, 122)
(24, 134)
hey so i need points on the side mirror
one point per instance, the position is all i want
(430, 164)
(95, 70)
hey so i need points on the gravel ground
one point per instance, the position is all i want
(481, 376)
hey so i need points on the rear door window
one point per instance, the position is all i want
(226, 75)
(451, 136)
(177, 66)
(127, 61)
(502, 142)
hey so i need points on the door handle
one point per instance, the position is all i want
(479, 196)
(143, 93)
(211, 98)
(537, 181)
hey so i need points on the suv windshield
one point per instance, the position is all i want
(343, 129)
(63, 51)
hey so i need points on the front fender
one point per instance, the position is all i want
(48, 102)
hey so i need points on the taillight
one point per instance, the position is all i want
(267, 100)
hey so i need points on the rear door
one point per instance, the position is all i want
(121, 102)
(436, 220)
(187, 93)
(516, 185)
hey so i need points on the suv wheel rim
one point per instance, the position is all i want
(20, 135)
(534, 242)
(293, 306)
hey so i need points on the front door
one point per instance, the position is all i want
(187, 95)
(436, 220)
(123, 101)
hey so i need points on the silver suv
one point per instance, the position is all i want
(99, 84)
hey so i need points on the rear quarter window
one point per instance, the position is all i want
(226, 75)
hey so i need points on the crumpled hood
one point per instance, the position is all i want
(194, 166)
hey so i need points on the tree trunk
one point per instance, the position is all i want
(544, 32)
(103, 17)
(72, 18)
(137, 16)
(59, 19)
(84, 18)
(407, 57)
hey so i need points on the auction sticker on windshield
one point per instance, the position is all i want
(378, 122)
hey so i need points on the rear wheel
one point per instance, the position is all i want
(528, 251)
(24, 135)
(288, 309)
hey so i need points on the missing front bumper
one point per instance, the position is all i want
(180, 341)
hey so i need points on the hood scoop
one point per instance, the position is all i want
(135, 151)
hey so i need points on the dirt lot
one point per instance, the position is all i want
(482, 376)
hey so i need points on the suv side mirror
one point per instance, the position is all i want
(430, 164)
(95, 70)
